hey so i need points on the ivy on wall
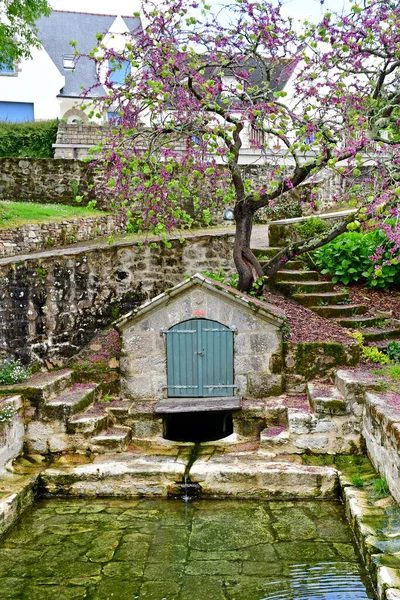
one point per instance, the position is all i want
(28, 140)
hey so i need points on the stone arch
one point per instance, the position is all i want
(75, 115)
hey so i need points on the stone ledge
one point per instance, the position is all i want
(376, 529)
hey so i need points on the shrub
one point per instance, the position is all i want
(393, 351)
(347, 259)
(311, 227)
(369, 353)
(28, 140)
(13, 371)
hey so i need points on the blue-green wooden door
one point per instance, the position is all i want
(200, 359)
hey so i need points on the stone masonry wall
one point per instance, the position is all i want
(52, 303)
(74, 140)
(45, 180)
(11, 432)
(40, 236)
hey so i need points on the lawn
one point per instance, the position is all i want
(13, 214)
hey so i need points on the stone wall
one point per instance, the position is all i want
(11, 432)
(40, 236)
(52, 303)
(44, 180)
(381, 430)
(74, 140)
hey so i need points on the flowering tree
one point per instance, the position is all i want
(18, 28)
(193, 86)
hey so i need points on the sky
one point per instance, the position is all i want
(300, 9)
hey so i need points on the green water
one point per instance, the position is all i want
(168, 550)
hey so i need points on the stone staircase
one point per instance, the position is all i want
(322, 421)
(306, 287)
(62, 415)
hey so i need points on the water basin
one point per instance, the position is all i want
(168, 550)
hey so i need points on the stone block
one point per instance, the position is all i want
(316, 443)
(261, 385)
(265, 341)
(243, 321)
(138, 344)
(153, 363)
(251, 363)
(136, 387)
(159, 383)
(240, 341)
(301, 422)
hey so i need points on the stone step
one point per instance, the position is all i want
(92, 420)
(326, 399)
(118, 408)
(352, 385)
(358, 322)
(268, 253)
(295, 275)
(113, 438)
(293, 264)
(274, 437)
(290, 265)
(41, 387)
(340, 310)
(301, 420)
(382, 344)
(375, 334)
(132, 475)
(70, 402)
(328, 297)
(298, 287)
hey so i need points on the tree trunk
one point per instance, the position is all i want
(247, 265)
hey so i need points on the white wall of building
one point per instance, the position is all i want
(38, 81)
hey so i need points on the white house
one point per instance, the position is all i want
(50, 84)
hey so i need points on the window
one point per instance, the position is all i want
(256, 137)
(68, 62)
(16, 112)
(119, 71)
(7, 69)
(113, 116)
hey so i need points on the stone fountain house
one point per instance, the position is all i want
(192, 355)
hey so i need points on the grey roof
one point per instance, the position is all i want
(56, 31)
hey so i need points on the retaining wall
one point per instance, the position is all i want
(52, 303)
(40, 236)
(11, 432)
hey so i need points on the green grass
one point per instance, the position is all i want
(394, 372)
(13, 214)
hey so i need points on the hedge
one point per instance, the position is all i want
(28, 140)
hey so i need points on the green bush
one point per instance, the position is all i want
(13, 371)
(28, 140)
(311, 227)
(347, 259)
(393, 351)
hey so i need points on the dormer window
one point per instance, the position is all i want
(119, 71)
(69, 62)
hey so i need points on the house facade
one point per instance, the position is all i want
(50, 84)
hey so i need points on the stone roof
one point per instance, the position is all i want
(55, 33)
(261, 309)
